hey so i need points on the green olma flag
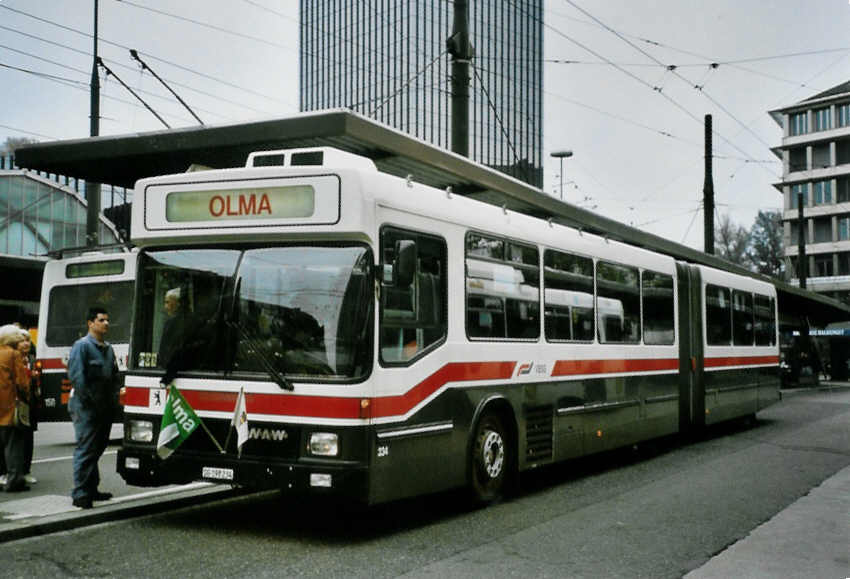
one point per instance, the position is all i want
(178, 422)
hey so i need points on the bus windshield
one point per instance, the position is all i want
(66, 322)
(300, 311)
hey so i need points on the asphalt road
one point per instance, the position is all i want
(659, 511)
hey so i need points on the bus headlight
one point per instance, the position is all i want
(141, 430)
(324, 444)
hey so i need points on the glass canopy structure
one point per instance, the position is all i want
(38, 216)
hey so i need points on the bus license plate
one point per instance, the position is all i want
(217, 473)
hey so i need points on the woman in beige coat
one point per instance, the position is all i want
(14, 383)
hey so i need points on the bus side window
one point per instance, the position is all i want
(502, 289)
(765, 323)
(618, 303)
(742, 318)
(413, 313)
(568, 296)
(658, 315)
(718, 316)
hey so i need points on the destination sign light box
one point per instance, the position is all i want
(243, 203)
(252, 203)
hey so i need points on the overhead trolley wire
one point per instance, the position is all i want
(79, 85)
(86, 73)
(676, 73)
(170, 63)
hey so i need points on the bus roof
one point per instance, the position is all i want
(123, 159)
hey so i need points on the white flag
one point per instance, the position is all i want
(240, 420)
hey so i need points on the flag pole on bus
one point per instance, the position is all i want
(178, 422)
(239, 422)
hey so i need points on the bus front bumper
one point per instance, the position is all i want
(303, 476)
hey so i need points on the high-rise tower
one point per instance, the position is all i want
(388, 60)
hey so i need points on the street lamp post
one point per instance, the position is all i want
(562, 155)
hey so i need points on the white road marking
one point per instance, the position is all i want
(60, 458)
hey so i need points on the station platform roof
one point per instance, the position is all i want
(123, 159)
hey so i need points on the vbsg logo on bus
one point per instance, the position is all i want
(283, 202)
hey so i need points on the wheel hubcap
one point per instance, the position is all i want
(492, 454)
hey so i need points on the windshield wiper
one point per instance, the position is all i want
(260, 353)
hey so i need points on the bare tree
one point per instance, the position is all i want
(731, 241)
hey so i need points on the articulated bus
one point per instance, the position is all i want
(393, 339)
(70, 286)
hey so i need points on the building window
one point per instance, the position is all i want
(842, 152)
(823, 265)
(843, 112)
(844, 228)
(795, 191)
(823, 229)
(797, 159)
(820, 156)
(823, 192)
(822, 118)
(799, 124)
(843, 263)
(842, 186)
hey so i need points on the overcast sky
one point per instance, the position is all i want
(635, 127)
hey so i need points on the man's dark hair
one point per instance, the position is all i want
(94, 311)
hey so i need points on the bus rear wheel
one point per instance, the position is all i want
(490, 461)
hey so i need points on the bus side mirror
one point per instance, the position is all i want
(405, 262)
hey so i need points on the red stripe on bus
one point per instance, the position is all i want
(740, 361)
(453, 372)
(336, 406)
(52, 363)
(578, 367)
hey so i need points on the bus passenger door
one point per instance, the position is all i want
(691, 384)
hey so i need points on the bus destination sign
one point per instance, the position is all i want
(280, 202)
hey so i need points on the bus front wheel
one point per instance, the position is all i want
(490, 461)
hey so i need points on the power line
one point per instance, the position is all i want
(82, 86)
(17, 130)
(642, 51)
(121, 46)
(208, 25)
(68, 67)
(61, 79)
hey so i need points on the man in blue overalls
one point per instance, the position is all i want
(93, 371)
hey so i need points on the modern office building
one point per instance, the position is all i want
(388, 60)
(815, 155)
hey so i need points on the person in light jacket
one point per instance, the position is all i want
(25, 348)
(14, 384)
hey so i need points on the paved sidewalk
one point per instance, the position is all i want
(39, 514)
(809, 539)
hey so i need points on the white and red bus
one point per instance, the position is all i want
(71, 285)
(395, 339)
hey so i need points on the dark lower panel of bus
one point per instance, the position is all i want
(55, 392)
